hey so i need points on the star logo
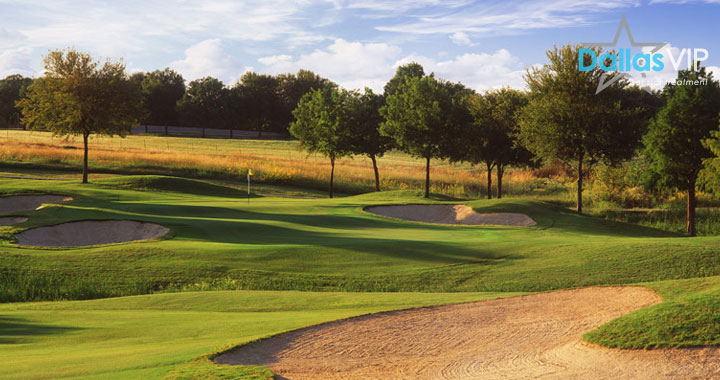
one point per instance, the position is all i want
(604, 83)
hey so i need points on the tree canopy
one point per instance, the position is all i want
(80, 96)
(205, 103)
(491, 137)
(365, 137)
(423, 116)
(675, 138)
(322, 124)
(12, 89)
(566, 119)
(161, 90)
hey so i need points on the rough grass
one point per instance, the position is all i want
(669, 219)
(279, 162)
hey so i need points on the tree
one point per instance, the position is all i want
(566, 120)
(412, 70)
(674, 141)
(365, 128)
(422, 116)
(261, 105)
(205, 104)
(162, 89)
(79, 96)
(292, 87)
(12, 89)
(322, 124)
(492, 135)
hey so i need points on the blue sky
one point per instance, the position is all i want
(484, 44)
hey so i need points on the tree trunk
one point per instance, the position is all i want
(500, 172)
(377, 175)
(580, 185)
(203, 132)
(489, 180)
(332, 174)
(691, 203)
(85, 158)
(231, 133)
(427, 177)
(146, 128)
(166, 130)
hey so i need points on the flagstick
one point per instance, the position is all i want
(248, 186)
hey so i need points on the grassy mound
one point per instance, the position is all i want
(689, 317)
(159, 183)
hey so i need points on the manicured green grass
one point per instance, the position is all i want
(689, 317)
(220, 241)
(224, 242)
(145, 337)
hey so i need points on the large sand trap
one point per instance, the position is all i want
(90, 232)
(28, 202)
(451, 214)
(10, 220)
(535, 336)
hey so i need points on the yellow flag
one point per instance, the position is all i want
(250, 172)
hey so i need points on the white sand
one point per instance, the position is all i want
(10, 220)
(451, 214)
(28, 202)
(90, 232)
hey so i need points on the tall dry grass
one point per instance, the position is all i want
(273, 162)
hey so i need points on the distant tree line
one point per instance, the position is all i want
(561, 118)
(256, 102)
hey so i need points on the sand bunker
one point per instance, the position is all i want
(28, 202)
(90, 232)
(535, 336)
(451, 214)
(10, 220)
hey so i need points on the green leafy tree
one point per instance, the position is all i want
(12, 89)
(412, 69)
(205, 104)
(322, 124)
(291, 88)
(491, 138)
(260, 103)
(674, 141)
(566, 120)
(365, 129)
(162, 89)
(80, 96)
(423, 115)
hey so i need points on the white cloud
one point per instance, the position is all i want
(207, 58)
(490, 18)
(460, 38)
(275, 59)
(351, 64)
(16, 61)
(355, 65)
(478, 71)
(137, 26)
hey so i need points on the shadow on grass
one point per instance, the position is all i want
(19, 330)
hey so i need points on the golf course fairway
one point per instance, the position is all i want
(234, 269)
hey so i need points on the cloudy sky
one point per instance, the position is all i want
(484, 44)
